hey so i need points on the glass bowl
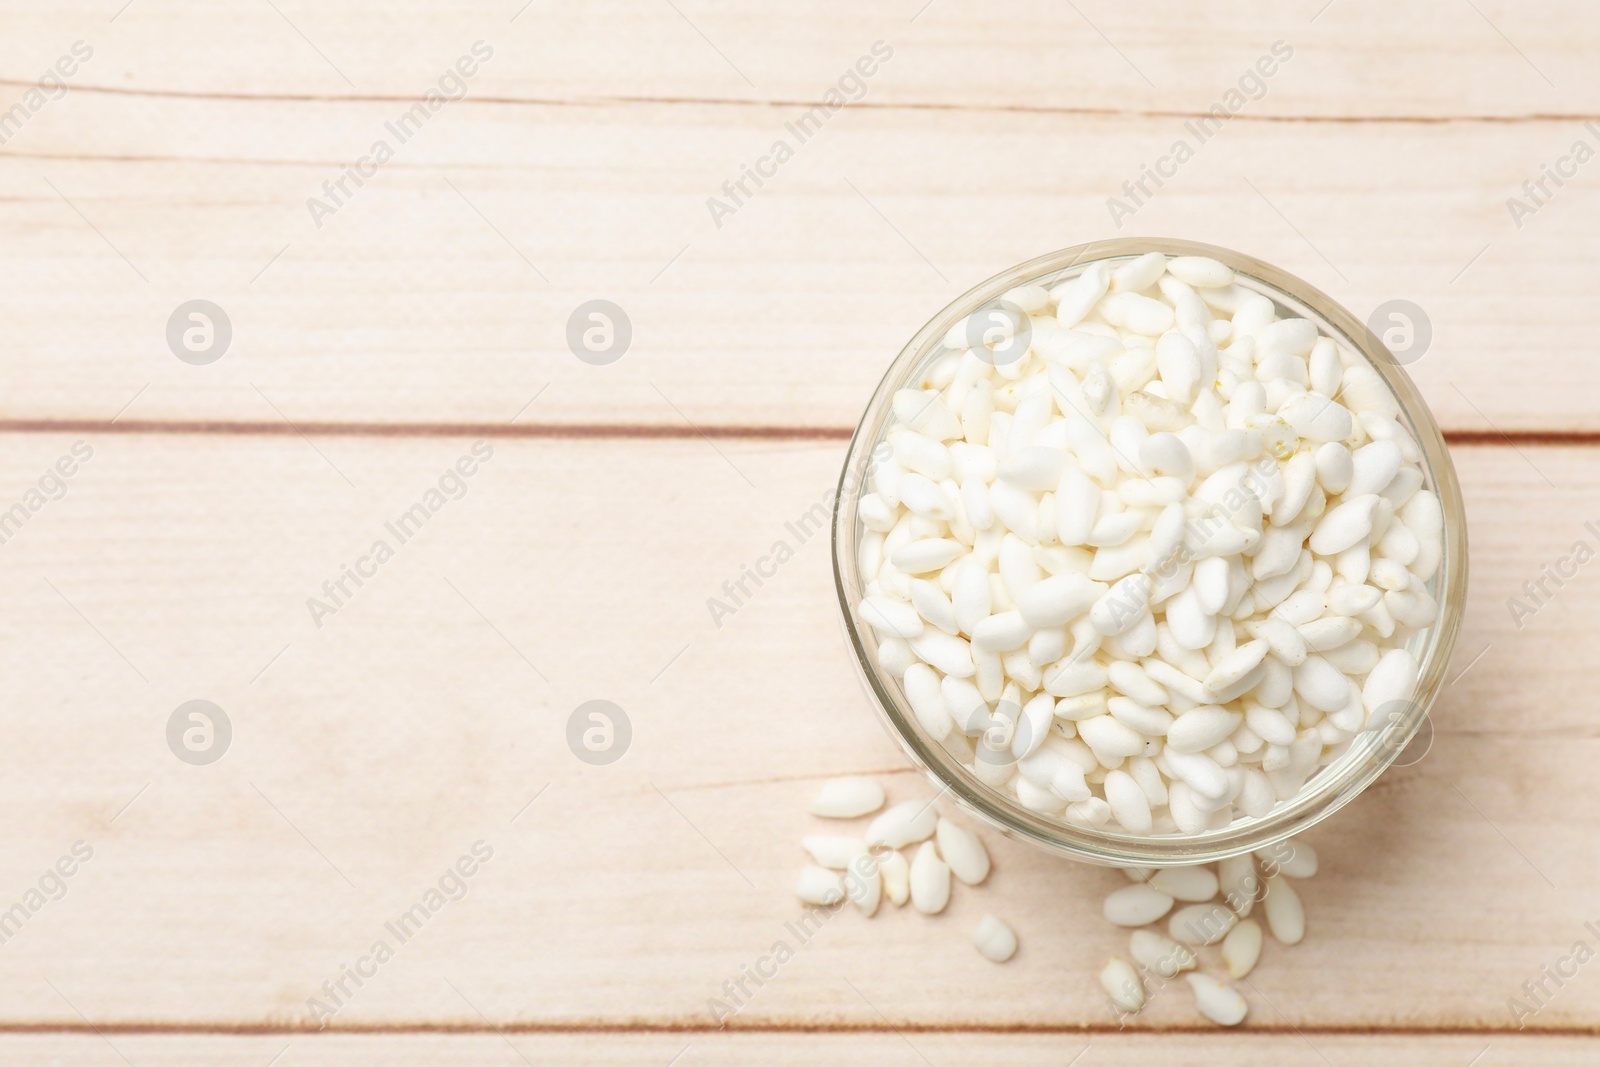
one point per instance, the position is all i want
(1331, 787)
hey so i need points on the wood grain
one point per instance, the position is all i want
(708, 1050)
(1353, 59)
(430, 711)
(423, 716)
(441, 291)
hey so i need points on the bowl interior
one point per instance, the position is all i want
(1332, 786)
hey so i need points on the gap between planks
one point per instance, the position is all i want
(620, 431)
(866, 1027)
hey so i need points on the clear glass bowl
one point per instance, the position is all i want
(1331, 787)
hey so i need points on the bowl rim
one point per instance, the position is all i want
(1368, 756)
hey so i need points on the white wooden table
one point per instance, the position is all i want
(429, 711)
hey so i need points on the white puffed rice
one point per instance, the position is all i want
(1136, 580)
(867, 869)
(1239, 884)
(995, 939)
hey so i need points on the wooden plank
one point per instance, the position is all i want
(426, 299)
(1356, 58)
(430, 712)
(695, 1050)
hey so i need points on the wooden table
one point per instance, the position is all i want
(377, 337)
